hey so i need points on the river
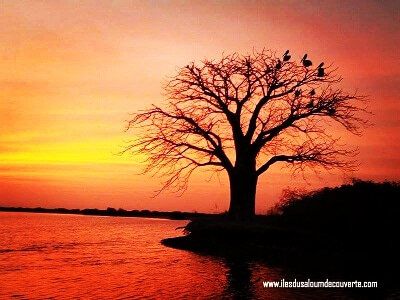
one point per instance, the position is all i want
(51, 256)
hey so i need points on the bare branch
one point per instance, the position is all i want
(258, 108)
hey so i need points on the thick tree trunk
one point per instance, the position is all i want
(243, 185)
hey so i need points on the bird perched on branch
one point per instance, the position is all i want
(321, 70)
(310, 104)
(278, 65)
(306, 62)
(286, 56)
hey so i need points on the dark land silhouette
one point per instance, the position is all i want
(351, 229)
(112, 212)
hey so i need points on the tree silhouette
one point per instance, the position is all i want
(242, 114)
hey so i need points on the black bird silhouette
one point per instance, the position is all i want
(321, 70)
(297, 93)
(286, 56)
(310, 104)
(278, 65)
(306, 62)
(312, 92)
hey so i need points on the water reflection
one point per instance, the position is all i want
(244, 280)
(71, 257)
(238, 279)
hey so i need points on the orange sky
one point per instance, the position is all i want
(71, 71)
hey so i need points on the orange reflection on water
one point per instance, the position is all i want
(96, 257)
(86, 257)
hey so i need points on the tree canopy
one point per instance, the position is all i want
(230, 111)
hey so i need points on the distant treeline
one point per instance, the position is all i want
(173, 215)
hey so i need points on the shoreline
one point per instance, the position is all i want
(278, 242)
(348, 263)
(110, 212)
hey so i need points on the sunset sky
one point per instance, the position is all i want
(72, 71)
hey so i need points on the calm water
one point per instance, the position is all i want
(48, 256)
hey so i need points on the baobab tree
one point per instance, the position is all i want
(242, 114)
